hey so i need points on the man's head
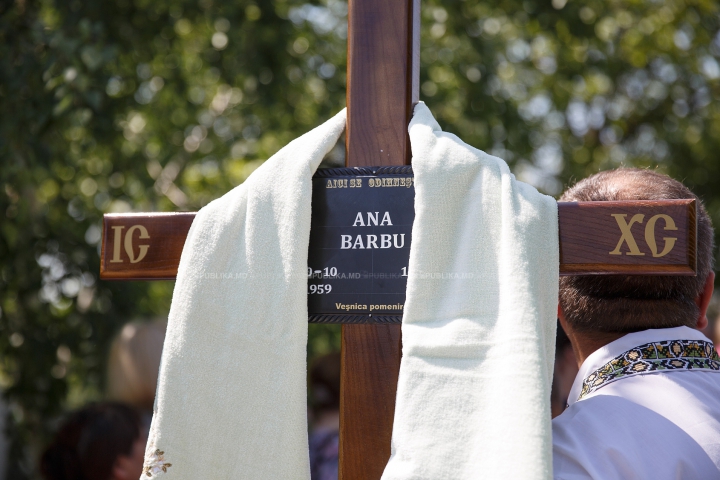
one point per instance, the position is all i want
(624, 303)
(99, 441)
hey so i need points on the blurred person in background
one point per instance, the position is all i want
(133, 364)
(715, 334)
(102, 441)
(325, 420)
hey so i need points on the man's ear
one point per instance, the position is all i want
(703, 301)
(563, 323)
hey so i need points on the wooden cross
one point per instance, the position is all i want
(382, 88)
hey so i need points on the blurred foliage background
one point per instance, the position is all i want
(135, 105)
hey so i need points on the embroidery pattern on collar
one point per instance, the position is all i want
(654, 357)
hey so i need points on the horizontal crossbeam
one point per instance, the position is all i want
(596, 238)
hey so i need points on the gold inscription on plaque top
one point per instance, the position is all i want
(406, 182)
(128, 243)
(628, 239)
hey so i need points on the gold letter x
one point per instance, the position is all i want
(627, 234)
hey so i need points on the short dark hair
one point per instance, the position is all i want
(90, 440)
(629, 303)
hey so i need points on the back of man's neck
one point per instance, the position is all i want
(585, 343)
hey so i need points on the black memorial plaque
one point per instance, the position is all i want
(360, 244)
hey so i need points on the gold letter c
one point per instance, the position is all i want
(650, 235)
(129, 245)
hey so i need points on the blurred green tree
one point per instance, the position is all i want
(158, 106)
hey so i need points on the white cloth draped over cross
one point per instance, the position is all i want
(473, 397)
(478, 331)
(231, 398)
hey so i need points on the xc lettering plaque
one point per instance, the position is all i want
(360, 239)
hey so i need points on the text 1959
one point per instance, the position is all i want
(326, 288)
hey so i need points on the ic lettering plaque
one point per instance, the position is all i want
(360, 239)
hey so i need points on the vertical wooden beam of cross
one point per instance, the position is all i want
(382, 88)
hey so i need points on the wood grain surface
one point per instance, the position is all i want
(588, 232)
(382, 88)
(369, 374)
(634, 237)
(382, 80)
(143, 246)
